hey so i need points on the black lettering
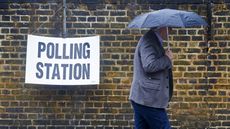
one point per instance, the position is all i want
(77, 71)
(64, 52)
(64, 70)
(78, 51)
(71, 51)
(41, 48)
(57, 51)
(39, 74)
(86, 53)
(86, 71)
(47, 65)
(70, 71)
(50, 50)
(56, 73)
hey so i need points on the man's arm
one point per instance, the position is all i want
(149, 60)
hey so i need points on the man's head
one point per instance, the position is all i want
(163, 32)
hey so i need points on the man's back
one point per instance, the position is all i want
(150, 86)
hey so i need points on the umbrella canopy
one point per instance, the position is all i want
(167, 18)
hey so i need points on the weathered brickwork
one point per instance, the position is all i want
(201, 66)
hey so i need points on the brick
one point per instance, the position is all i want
(116, 98)
(212, 99)
(125, 37)
(108, 38)
(16, 110)
(221, 38)
(222, 62)
(6, 24)
(214, 74)
(4, 6)
(112, 31)
(101, 19)
(6, 122)
(181, 62)
(43, 18)
(91, 2)
(222, 93)
(40, 12)
(91, 19)
(97, 122)
(81, 13)
(101, 13)
(60, 122)
(100, 25)
(24, 12)
(3, 12)
(192, 75)
(4, 127)
(33, 110)
(181, 38)
(200, 62)
(117, 13)
(5, 18)
(193, 50)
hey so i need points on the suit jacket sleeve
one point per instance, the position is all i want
(151, 61)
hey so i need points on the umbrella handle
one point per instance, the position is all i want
(168, 47)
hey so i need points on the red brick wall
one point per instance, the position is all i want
(201, 68)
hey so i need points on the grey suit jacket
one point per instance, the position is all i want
(152, 83)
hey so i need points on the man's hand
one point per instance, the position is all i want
(169, 53)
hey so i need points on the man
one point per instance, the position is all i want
(152, 84)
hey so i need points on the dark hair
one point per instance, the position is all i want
(150, 35)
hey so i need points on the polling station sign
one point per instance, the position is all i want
(62, 61)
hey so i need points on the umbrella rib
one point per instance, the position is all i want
(182, 21)
(145, 20)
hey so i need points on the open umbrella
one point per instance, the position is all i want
(167, 18)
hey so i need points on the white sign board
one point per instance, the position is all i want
(62, 61)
